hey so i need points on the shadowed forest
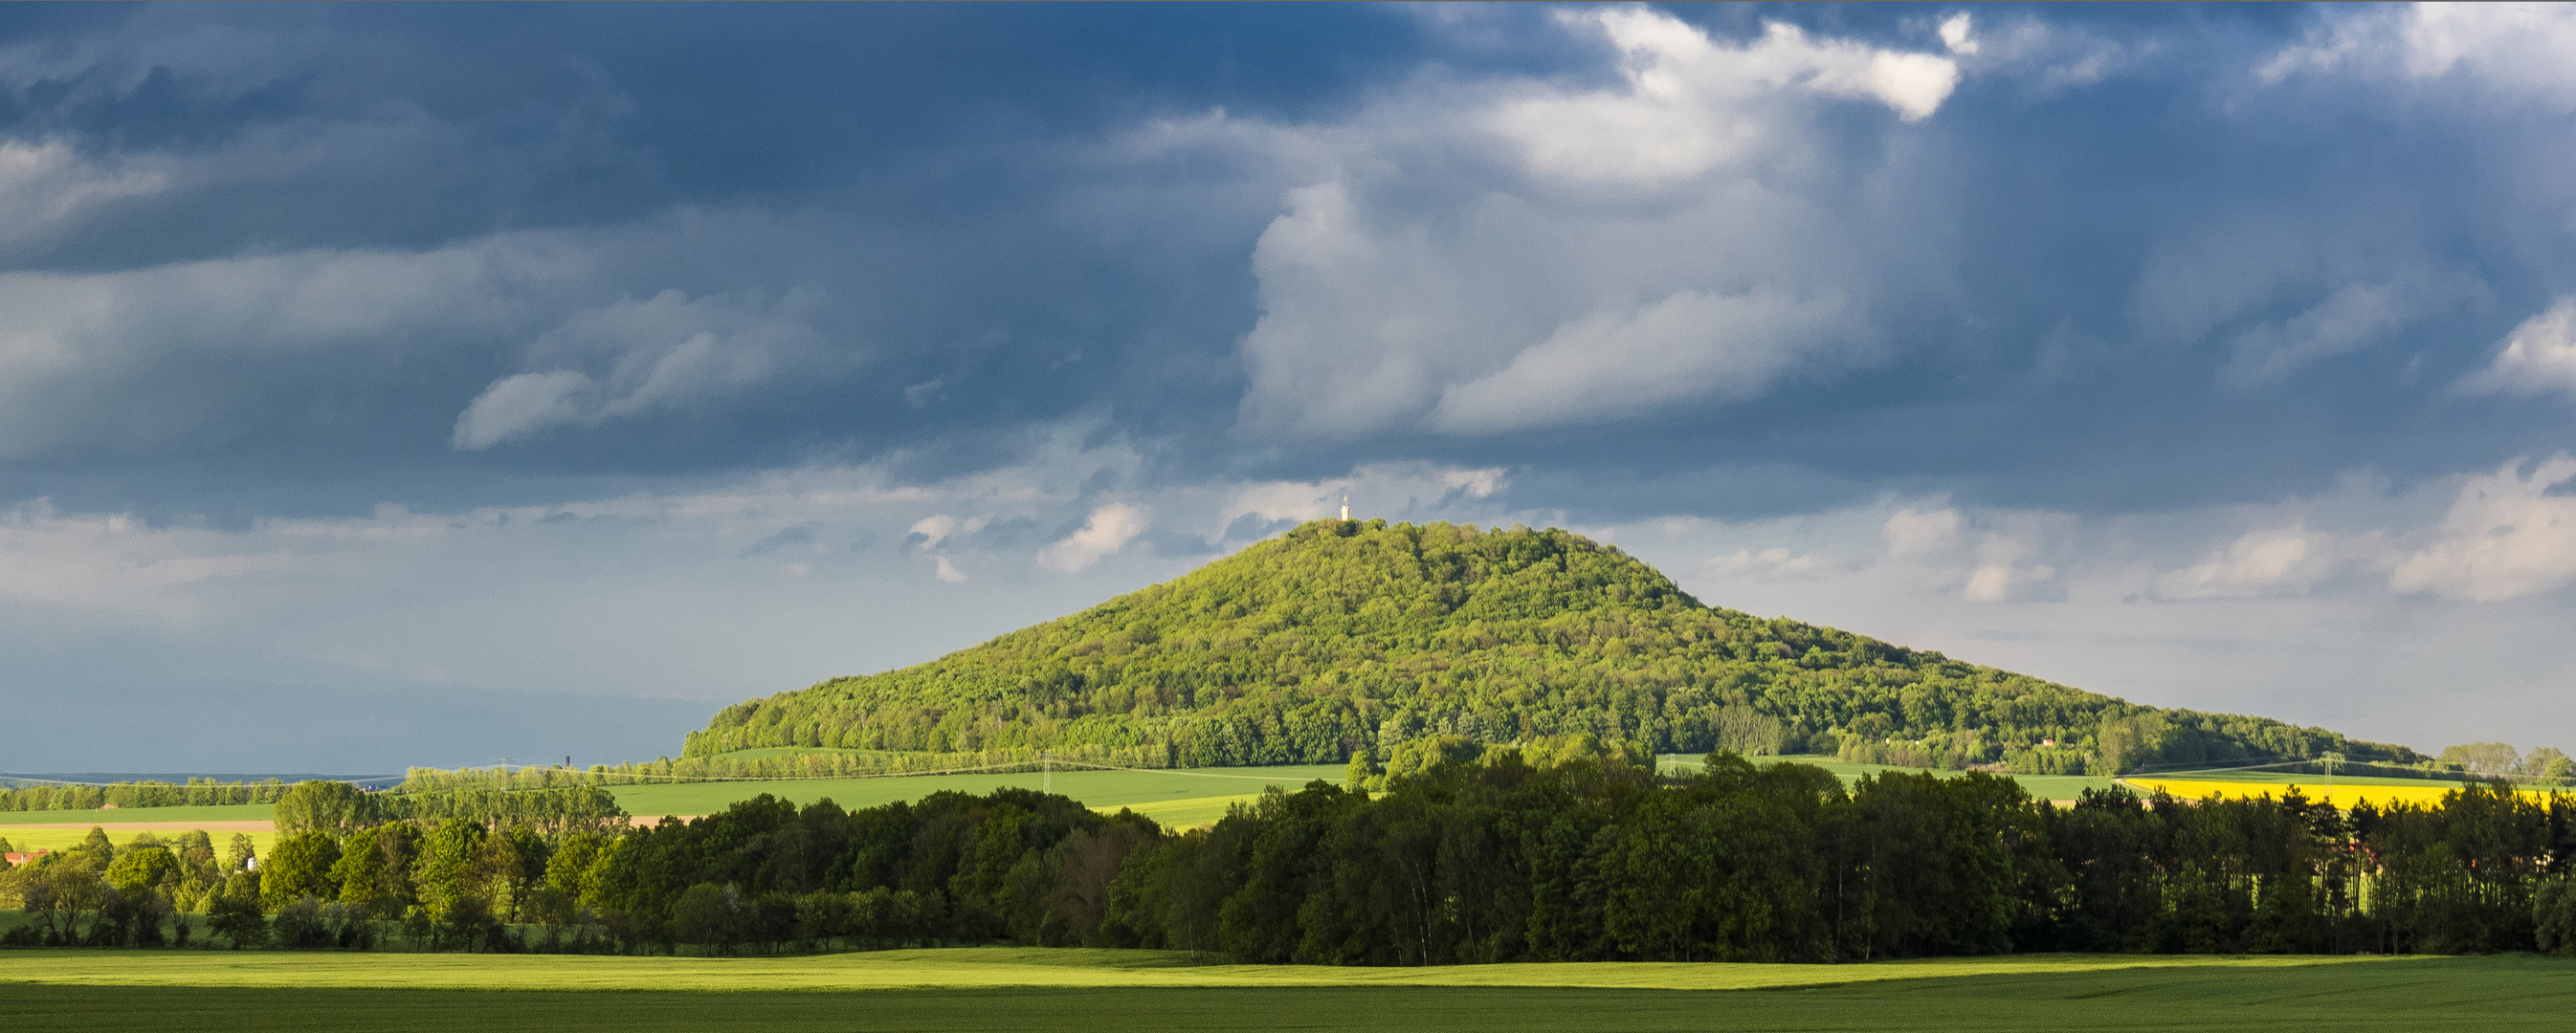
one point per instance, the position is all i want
(1463, 853)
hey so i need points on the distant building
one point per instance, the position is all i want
(16, 859)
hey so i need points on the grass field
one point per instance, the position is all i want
(1030, 991)
(1002, 967)
(229, 812)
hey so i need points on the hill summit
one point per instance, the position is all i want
(1348, 637)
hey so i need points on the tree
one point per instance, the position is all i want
(143, 870)
(2484, 758)
(2553, 912)
(97, 849)
(2548, 765)
(1339, 640)
(709, 917)
(298, 867)
(374, 870)
(466, 922)
(237, 918)
(445, 870)
(322, 805)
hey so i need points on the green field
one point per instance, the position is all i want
(109, 816)
(1108, 789)
(960, 968)
(1034, 991)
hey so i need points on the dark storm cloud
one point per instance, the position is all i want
(2111, 241)
(504, 317)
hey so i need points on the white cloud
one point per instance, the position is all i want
(1475, 484)
(2348, 320)
(2516, 50)
(1690, 104)
(517, 404)
(2003, 573)
(948, 571)
(1621, 362)
(1958, 33)
(2508, 534)
(47, 189)
(1595, 254)
(937, 528)
(2270, 561)
(1909, 533)
(1769, 564)
(2538, 357)
(663, 352)
(1108, 530)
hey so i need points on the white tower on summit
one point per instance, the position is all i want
(1346, 505)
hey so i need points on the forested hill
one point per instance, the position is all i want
(1342, 636)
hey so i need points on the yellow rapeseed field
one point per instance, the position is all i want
(2344, 796)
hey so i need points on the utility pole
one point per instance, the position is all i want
(1046, 773)
(2330, 759)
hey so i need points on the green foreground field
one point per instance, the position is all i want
(1037, 991)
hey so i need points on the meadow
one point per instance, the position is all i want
(112, 815)
(1039, 991)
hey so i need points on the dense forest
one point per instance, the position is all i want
(1468, 853)
(1342, 639)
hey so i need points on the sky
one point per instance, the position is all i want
(385, 385)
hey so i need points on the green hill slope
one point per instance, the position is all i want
(1345, 636)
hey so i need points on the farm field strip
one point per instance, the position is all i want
(1001, 967)
(21, 838)
(1187, 813)
(1176, 798)
(2302, 780)
(128, 815)
(2343, 796)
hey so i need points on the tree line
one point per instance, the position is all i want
(195, 792)
(1342, 638)
(1453, 852)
